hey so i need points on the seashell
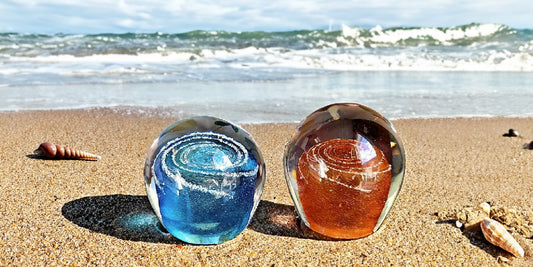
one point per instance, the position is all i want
(496, 234)
(474, 215)
(501, 259)
(485, 207)
(530, 146)
(511, 133)
(53, 151)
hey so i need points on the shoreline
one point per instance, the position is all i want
(79, 212)
(175, 114)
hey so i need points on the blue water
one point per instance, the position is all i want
(468, 70)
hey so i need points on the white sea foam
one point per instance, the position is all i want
(177, 63)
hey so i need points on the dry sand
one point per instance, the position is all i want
(67, 212)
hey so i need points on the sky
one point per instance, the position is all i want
(174, 16)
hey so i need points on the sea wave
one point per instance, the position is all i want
(16, 44)
(460, 35)
(214, 55)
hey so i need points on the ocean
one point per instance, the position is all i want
(475, 70)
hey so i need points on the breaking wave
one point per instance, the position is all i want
(215, 55)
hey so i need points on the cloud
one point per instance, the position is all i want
(91, 16)
(134, 11)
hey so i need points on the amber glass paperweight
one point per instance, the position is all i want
(344, 167)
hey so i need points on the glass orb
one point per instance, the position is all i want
(204, 178)
(344, 166)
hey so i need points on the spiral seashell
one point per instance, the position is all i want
(496, 234)
(53, 151)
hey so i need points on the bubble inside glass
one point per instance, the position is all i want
(344, 167)
(204, 178)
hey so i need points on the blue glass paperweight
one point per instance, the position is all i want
(204, 178)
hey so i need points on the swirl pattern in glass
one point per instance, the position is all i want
(344, 167)
(204, 179)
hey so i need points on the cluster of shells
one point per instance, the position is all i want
(494, 224)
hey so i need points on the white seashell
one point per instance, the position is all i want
(485, 207)
(496, 234)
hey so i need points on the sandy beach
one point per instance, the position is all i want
(69, 212)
